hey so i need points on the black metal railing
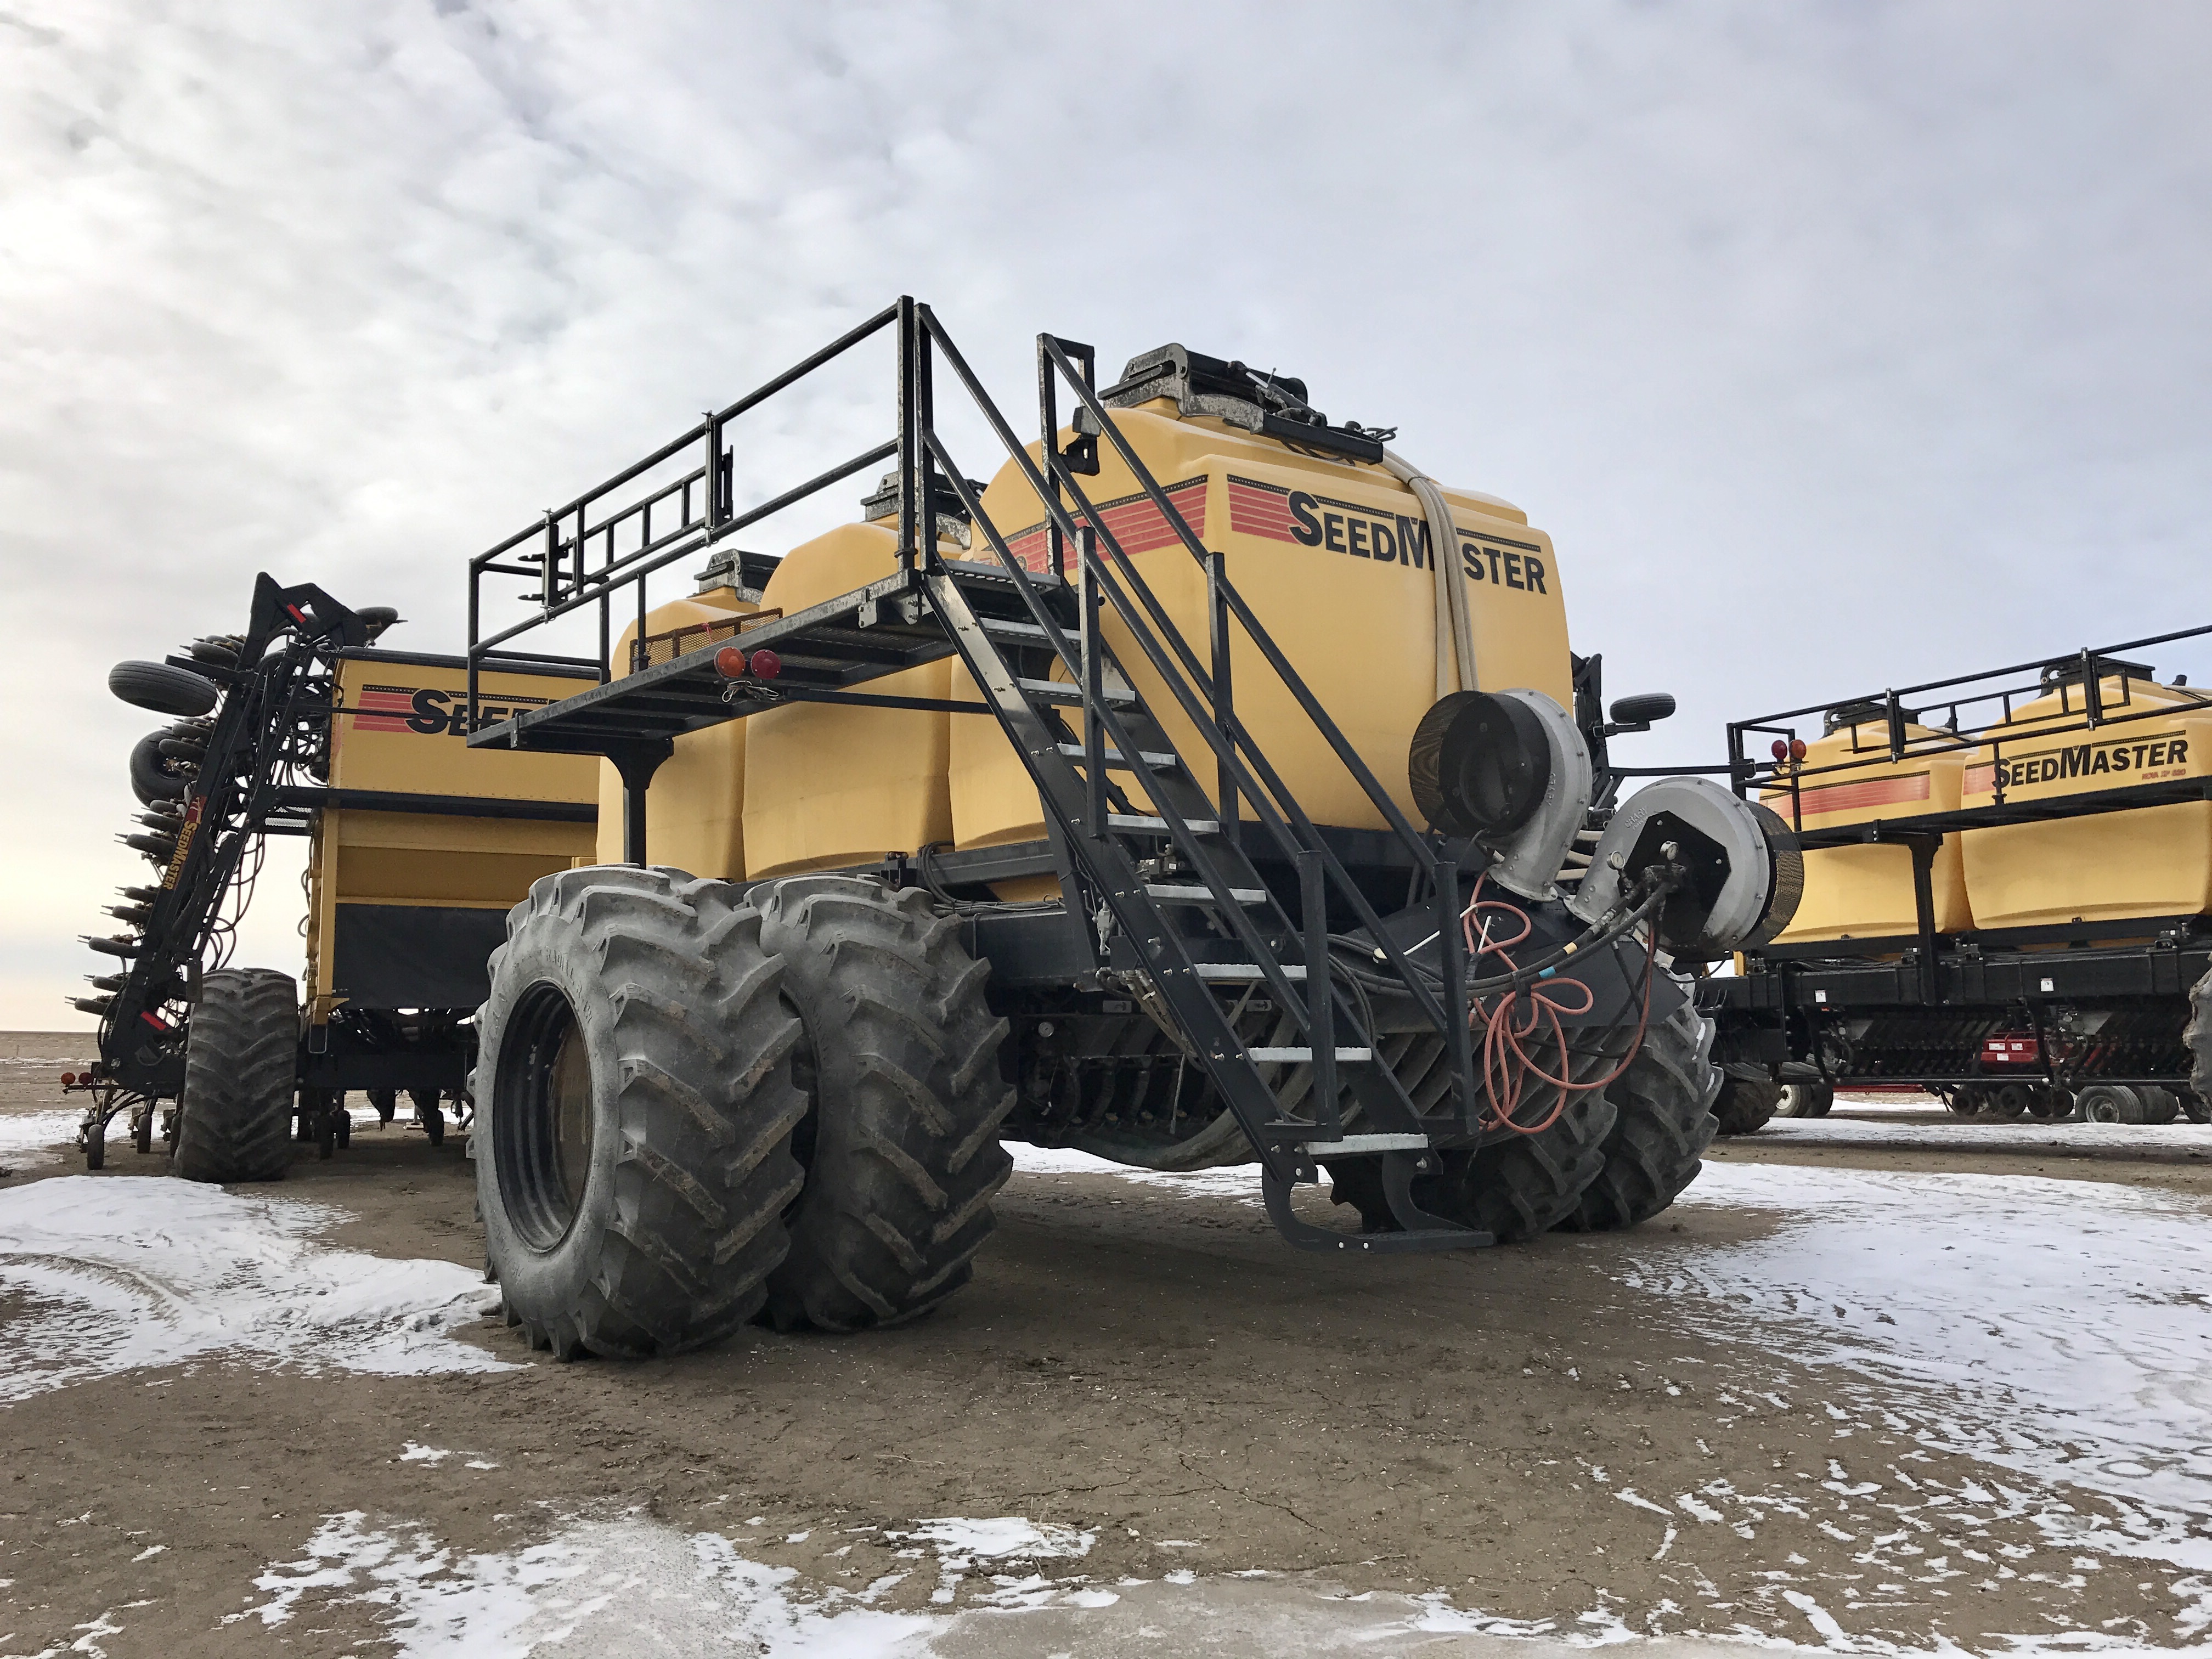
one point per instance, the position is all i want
(1969, 713)
(579, 560)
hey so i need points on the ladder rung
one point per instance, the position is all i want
(1005, 629)
(1174, 895)
(1353, 1145)
(1144, 823)
(1061, 691)
(1157, 760)
(1294, 1056)
(1237, 971)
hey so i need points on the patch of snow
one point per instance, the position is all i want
(2060, 1328)
(1004, 1534)
(1236, 1180)
(28, 1139)
(632, 1585)
(960, 1541)
(2010, 1135)
(122, 1274)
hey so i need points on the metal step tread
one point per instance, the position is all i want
(1173, 894)
(1146, 823)
(1061, 691)
(993, 571)
(1156, 760)
(1240, 971)
(1004, 629)
(1353, 1146)
(1293, 1056)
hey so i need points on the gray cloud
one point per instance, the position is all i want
(1836, 345)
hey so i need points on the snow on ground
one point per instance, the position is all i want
(121, 1274)
(629, 1586)
(2012, 1135)
(2056, 1328)
(28, 1139)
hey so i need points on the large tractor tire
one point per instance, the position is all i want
(1663, 1124)
(2198, 1036)
(900, 1143)
(1517, 1187)
(634, 1140)
(241, 1070)
(1745, 1105)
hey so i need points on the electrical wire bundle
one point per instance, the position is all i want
(1527, 1008)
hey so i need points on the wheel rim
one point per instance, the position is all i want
(542, 1108)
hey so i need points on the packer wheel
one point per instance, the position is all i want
(899, 1142)
(635, 1105)
(1968, 1101)
(2110, 1102)
(1805, 1100)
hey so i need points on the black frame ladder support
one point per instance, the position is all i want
(1073, 788)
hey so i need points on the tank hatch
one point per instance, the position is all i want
(1248, 399)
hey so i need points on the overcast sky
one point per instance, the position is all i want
(1836, 345)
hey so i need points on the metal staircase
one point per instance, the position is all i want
(1160, 882)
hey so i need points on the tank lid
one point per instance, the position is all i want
(733, 567)
(1873, 711)
(1243, 397)
(885, 503)
(2066, 671)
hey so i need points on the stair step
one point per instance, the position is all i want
(1156, 760)
(1000, 628)
(1176, 895)
(1237, 972)
(970, 570)
(1061, 691)
(1296, 1056)
(1143, 823)
(1351, 1146)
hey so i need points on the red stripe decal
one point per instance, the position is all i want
(1853, 796)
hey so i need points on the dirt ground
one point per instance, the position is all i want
(1148, 1364)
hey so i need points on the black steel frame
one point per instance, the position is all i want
(1993, 970)
(276, 697)
(934, 606)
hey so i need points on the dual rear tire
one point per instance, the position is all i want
(692, 1111)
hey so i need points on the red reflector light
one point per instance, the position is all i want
(730, 663)
(766, 665)
(1796, 749)
(1780, 749)
(69, 1079)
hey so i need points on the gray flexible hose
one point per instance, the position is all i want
(1455, 623)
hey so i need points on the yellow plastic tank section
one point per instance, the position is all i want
(2112, 867)
(828, 786)
(1333, 556)
(1866, 892)
(693, 810)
